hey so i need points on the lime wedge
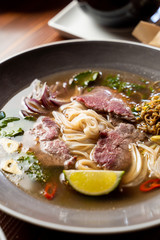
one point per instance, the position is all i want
(93, 182)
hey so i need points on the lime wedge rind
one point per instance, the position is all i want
(93, 182)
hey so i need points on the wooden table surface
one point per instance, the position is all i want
(24, 27)
(23, 24)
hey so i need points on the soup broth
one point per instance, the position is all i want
(133, 89)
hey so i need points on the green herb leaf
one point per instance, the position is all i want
(10, 119)
(90, 89)
(3, 125)
(10, 132)
(30, 118)
(135, 112)
(31, 166)
(83, 79)
(112, 82)
(2, 115)
(151, 89)
(127, 88)
(4, 122)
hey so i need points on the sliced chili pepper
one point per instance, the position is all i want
(150, 184)
(50, 190)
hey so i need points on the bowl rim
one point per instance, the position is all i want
(77, 41)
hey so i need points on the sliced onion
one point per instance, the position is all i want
(58, 102)
(45, 98)
(34, 105)
(53, 88)
(41, 93)
(25, 113)
(37, 87)
(58, 89)
(55, 91)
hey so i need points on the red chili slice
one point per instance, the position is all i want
(150, 184)
(50, 190)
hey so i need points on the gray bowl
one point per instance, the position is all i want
(18, 71)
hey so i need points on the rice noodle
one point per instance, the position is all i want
(143, 162)
(85, 164)
(134, 175)
(80, 127)
(153, 158)
(148, 149)
(142, 174)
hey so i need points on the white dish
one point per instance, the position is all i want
(73, 22)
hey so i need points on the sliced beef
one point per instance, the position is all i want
(46, 129)
(54, 153)
(112, 149)
(104, 99)
(56, 147)
(49, 149)
(115, 120)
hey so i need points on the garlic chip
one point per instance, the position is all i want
(11, 166)
(10, 146)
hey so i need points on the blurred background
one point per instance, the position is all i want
(33, 6)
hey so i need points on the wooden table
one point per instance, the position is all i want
(22, 27)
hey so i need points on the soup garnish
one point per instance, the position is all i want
(150, 184)
(93, 182)
(2, 115)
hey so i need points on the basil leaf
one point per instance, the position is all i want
(2, 125)
(30, 118)
(4, 122)
(11, 132)
(2, 115)
(84, 78)
(10, 119)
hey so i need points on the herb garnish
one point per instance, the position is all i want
(127, 88)
(30, 118)
(83, 79)
(135, 111)
(5, 121)
(2, 115)
(31, 166)
(10, 132)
